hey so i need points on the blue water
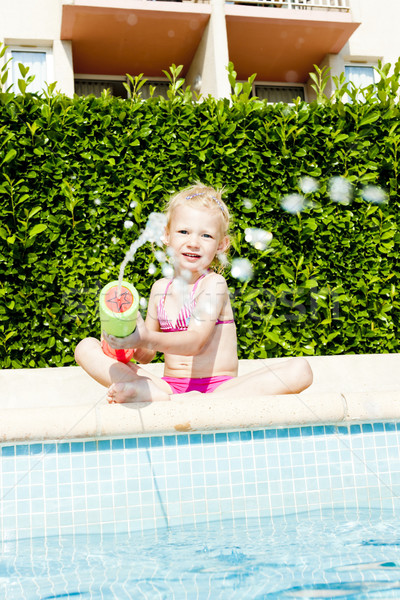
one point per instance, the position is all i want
(333, 555)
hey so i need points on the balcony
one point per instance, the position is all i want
(281, 40)
(329, 5)
(115, 37)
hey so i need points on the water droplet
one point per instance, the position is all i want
(182, 289)
(241, 269)
(247, 203)
(259, 238)
(128, 224)
(340, 190)
(186, 275)
(167, 271)
(291, 76)
(374, 194)
(308, 185)
(160, 256)
(223, 259)
(132, 20)
(293, 203)
(204, 311)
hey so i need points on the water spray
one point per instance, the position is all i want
(119, 300)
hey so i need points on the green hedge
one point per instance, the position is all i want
(70, 169)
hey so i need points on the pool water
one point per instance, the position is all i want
(331, 554)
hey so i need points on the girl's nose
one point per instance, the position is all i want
(193, 240)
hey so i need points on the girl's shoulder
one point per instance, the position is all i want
(213, 279)
(160, 285)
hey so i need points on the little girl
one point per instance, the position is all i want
(189, 320)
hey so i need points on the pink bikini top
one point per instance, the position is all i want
(182, 322)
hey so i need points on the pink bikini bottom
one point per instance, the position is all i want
(205, 385)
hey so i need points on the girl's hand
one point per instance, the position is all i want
(134, 340)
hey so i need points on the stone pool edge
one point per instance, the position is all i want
(104, 421)
(63, 403)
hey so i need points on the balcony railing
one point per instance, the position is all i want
(338, 5)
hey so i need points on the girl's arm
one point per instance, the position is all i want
(209, 305)
(141, 354)
(145, 355)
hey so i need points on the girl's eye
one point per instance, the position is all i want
(184, 231)
(207, 235)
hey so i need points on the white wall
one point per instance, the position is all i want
(376, 38)
(378, 34)
(37, 23)
(211, 58)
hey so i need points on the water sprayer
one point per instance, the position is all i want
(118, 315)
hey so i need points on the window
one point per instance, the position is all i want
(279, 93)
(360, 76)
(40, 65)
(85, 86)
(161, 89)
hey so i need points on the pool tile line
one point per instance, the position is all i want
(129, 484)
(147, 441)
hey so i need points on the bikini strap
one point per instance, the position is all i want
(196, 284)
(193, 290)
(166, 290)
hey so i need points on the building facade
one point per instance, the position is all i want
(89, 45)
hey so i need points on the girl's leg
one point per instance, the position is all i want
(290, 376)
(129, 382)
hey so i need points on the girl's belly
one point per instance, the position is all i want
(177, 368)
(218, 357)
(202, 365)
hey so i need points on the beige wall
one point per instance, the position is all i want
(375, 39)
(211, 58)
(378, 34)
(38, 23)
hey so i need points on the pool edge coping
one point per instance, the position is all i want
(102, 420)
(61, 415)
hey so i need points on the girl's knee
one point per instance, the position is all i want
(304, 374)
(84, 347)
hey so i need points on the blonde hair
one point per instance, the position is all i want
(200, 195)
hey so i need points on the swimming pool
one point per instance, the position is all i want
(269, 497)
(204, 496)
(327, 555)
(138, 483)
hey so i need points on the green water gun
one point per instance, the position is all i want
(118, 315)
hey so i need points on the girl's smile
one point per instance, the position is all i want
(195, 236)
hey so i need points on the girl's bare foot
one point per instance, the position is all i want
(141, 390)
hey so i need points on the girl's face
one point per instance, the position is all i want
(195, 237)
